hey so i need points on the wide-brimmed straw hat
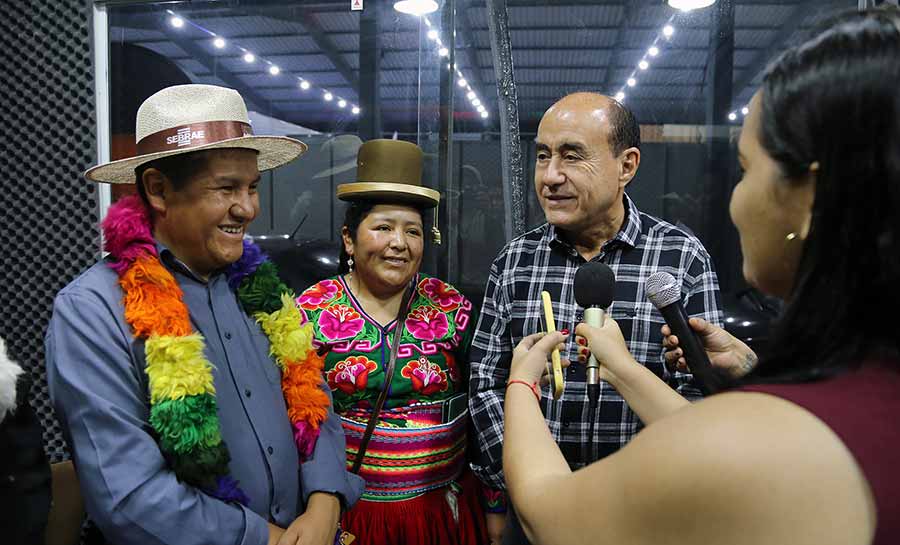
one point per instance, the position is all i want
(189, 118)
(389, 171)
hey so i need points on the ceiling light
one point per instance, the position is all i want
(462, 82)
(248, 57)
(328, 96)
(176, 21)
(620, 96)
(745, 110)
(732, 116)
(631, 82)
(304, 85)
(643, 65)
(668, 30)
(653, 51)
(432, 34)
(443, 52)
(342, 103)
(274, 70)
(476, 103)
(416, 7)
(219, 42)
(470, 95)
(355, 110)
(688, 5)
(484, 114)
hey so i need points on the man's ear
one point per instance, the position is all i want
(155, 187)
(629, 161)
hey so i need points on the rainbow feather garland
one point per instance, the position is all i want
(182, 395)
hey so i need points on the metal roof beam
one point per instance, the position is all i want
(309, 23)
(785, 31)
(200, 55)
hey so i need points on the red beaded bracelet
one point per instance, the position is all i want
(532, 386)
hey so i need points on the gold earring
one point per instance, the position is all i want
(350, 263)
(790, 236)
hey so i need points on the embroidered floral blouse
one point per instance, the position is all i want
(433, 346)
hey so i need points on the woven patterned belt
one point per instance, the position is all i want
(400, 463)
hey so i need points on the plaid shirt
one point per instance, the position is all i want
(541, 260)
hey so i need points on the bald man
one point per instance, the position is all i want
(587, 152)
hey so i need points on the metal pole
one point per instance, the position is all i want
(447, 184)
(370, 71)
(512, 165)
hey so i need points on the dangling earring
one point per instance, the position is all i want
(350, 263)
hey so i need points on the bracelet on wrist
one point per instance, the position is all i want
(533, 386)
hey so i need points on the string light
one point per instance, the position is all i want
(732, 116)
(745, 110)
(220, 43)
(461, 81)
(643, 64)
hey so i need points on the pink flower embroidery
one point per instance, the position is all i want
(427, 378)
(350, 375)
(427, 323)
(443, 294)
(319, 295)
(340, 322)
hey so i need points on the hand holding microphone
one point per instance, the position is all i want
(664, 292)
(725, 351)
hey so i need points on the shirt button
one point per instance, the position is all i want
(247, 392)
(228, 335)
(270, 450)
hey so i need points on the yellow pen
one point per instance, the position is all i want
(556, 374)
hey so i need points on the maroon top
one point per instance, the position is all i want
(862, 408)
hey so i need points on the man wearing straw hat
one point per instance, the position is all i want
(188, 391)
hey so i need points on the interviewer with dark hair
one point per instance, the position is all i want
(804, 451)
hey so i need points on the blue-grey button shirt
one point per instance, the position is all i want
(95, 370)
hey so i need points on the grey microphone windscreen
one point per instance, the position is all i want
(662, 289)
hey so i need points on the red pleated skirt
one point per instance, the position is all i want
(424, 520)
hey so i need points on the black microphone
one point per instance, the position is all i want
(665, 294)
(594, 285)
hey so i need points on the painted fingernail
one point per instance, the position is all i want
(582, 341)
(564, 331)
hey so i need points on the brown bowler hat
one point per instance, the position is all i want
(389, 171)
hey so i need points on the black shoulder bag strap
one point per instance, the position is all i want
(388, 376)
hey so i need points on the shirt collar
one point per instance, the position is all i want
(629, 234)
(168, 259)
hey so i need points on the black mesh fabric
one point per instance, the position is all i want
(48, 212)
